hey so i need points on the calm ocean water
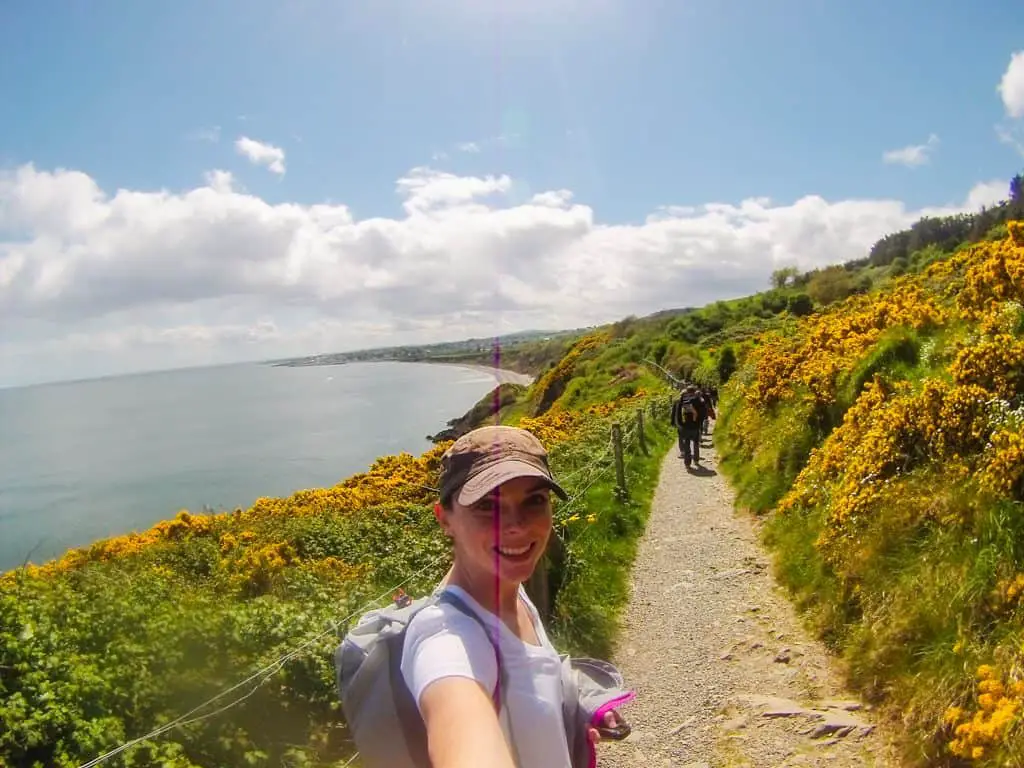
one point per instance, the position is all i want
(85, 460)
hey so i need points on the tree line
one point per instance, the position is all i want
(926, 239)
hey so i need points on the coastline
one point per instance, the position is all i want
(501, 375)
(485, 408)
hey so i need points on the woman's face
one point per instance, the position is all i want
(503, 534)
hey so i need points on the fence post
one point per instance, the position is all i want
(620, 466)
(640, 431)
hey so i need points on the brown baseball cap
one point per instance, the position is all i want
(480, 461)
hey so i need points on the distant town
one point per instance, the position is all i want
(467, 350)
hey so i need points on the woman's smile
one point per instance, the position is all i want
(516, 554)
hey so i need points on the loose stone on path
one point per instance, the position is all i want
(724, 672)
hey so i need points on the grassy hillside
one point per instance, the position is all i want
(883, 439)
(113, 640)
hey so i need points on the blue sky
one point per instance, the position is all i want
(632, 106)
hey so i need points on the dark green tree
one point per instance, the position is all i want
(1015, 207)
(800, 304)
(726, 364)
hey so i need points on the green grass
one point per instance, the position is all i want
(593, 571)
(762, 466)
(896, 356)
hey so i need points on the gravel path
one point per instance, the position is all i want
(724, 672)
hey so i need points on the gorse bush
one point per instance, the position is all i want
(894, 423)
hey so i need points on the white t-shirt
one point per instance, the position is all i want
(442, 642)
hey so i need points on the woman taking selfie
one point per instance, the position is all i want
(495, 506)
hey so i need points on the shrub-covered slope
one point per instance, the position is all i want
(113, 640)
(885, 440)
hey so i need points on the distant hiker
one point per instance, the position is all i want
(475, 680)
(709, 410)
(688, 414)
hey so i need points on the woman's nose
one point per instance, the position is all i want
(511, 516)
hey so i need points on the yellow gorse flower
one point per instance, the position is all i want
(998, 710)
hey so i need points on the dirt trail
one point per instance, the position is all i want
(724, 671)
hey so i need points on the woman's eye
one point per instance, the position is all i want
(536, 499)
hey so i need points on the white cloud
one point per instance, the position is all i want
(97, 282)
(222, 181)
(426, 189)
(1011, 87)
(987, 194)
(913, 155)
(556, 198)
(261, 154)
(468, 146)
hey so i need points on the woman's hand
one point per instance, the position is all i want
(612, 719)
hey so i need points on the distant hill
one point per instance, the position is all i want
(466, 350)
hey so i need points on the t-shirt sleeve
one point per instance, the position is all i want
(442, 642)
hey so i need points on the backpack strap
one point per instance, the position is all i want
(456, 602)
(499, 695)
(413, 729)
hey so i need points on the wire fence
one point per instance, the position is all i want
(257, 678)
(627, 437)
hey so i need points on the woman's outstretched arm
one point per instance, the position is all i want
(462, 726)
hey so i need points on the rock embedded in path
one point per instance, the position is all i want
(846, 704)
(774, 706)
(840, 723)
(827, 720)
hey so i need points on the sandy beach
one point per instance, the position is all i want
(501, 375)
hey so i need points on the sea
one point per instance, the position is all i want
(85, 460)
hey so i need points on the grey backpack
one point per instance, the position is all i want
(385, 721)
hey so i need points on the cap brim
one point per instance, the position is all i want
(479, 486)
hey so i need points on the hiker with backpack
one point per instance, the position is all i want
(688, 413)
(467, 676)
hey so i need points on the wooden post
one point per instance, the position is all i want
(620, 466)
(640, 431)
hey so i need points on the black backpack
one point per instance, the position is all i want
(688, 410)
